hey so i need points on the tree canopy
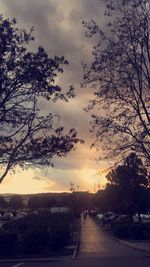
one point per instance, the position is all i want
(27, 80)
(16, 202)
(130, 181)
(120, 76)
(36, 202)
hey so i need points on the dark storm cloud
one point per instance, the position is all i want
(59, 29)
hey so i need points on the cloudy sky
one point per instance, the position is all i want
(59, 29)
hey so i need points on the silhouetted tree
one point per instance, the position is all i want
(108, 199)
(52, 202)
(120, 76)
(132, 181)
(2, 202)
(27, 81)
(65, 201)
(100, 201)
(41, 201)
(15, 202)
(34, 202)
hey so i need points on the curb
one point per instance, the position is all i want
(76, 250)
(31, 260)
(132, 245)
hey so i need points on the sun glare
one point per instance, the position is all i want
(23, 182)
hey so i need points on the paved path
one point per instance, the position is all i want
(96, 243)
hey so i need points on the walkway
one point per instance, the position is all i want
(96, 243)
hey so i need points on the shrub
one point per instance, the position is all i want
(139, 231)
(40, 233)
(8, 243)
(34, 242)
(120, 230)
(59, 235)
(135, 231)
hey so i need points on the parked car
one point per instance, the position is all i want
(135, 218)
(108, 217)
(121, 218)
(34, 212)
(100, 216)
(7, 216)
(93, 213)
(145, 218)
(21, 214)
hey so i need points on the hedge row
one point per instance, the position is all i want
(133, 231)
(36, 234)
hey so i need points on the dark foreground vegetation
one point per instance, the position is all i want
(120, 226)
(127, 191)
(124, 204)
(41, 234)
(132, 231)
(41, 225)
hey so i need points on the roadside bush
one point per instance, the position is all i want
(120, 230)
(59, 235)
(37, 234)
(139, 231)
(135, 231)
(34, 242)
(8, 243)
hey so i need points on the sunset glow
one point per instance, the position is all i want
(59, 29)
